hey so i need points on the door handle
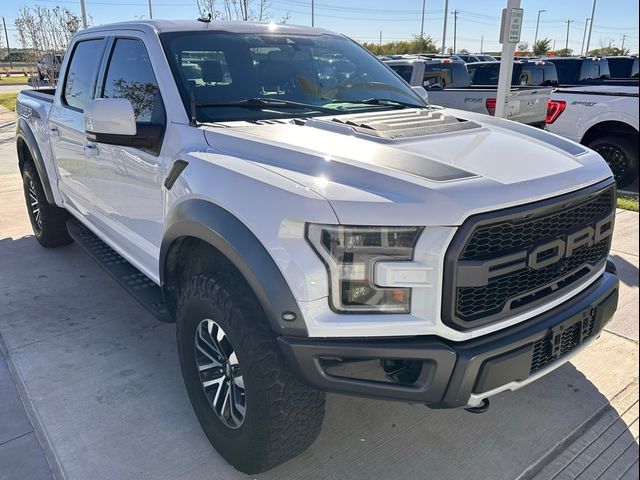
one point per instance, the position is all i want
(90, 149)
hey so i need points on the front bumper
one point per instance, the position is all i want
(459, 374)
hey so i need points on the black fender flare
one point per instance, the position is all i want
(222, 230)
(23, 131)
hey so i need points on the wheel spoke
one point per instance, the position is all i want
(209, 348)
(208, 390)
(220, 375)
(227, 394)
(236, 409)
(239, 381)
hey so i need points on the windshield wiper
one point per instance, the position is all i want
(385, 102)
(260, 102)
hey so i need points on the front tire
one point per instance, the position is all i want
(621, 154)
(47, 221)
(252, 408)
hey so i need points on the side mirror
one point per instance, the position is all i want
(109, 117)
(112, 121)
(422, 93)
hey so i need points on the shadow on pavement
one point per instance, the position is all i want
(103, 376)
(627, 271)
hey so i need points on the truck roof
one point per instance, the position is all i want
(161, 26)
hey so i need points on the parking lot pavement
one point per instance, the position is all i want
(104, 381)
(13, 88)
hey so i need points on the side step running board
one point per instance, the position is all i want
(129, 277)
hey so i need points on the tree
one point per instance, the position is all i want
(417, 45)
(253, 10)
(523, 47)
(464, 51)
(542, 46)
(608, 50)
(46, 30)
(564, 52)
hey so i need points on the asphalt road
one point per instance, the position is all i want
(102, 380)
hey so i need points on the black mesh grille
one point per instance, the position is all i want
(474, 303)
(490, 237)
(543, 349)
(505, 237)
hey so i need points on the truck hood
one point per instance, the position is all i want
(406, 167)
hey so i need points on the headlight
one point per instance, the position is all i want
(350, 254)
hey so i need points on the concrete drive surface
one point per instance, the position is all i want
(102, 379)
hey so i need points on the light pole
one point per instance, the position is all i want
(506, 60)
(584, 35)
(535, 39)
(313, 13)
(455, 30)
(84, 14)
(566, 45)
(593, 17)
(444, 28)
(150, 12)
(422, 23)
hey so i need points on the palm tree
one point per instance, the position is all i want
(541, 47)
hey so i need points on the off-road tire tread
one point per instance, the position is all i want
(54, 231)
(296, 411)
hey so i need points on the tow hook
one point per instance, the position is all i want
(483, 407)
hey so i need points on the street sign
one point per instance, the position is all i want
(515, 25)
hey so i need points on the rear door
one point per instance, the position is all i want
(66, 122)
(127, 181)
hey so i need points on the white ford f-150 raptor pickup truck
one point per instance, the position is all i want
(449, 84)
(604, 118)
(311, 225)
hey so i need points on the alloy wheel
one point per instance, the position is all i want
(615, 158)
(34, 205)
(220, 374)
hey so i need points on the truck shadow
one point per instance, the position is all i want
(104, 379)
(627, 271)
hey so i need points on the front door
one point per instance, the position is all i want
(127, 181)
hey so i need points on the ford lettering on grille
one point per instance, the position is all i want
(503, 263)
(479, 273)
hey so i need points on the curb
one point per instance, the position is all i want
(32, 414)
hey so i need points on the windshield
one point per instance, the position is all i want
(220, 75)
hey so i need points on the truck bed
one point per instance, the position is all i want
(44, 94)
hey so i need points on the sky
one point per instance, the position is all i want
(364, 20)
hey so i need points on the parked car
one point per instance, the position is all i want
(604, 118)
(474, 57)
(577, 71)
(623, 67)
(309, 235)
(525, 73)
(448, 84)
(48, 68)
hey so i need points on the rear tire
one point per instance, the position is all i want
(49, 222)
(276, 416)
(621, 154)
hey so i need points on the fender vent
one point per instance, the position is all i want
(404, 123)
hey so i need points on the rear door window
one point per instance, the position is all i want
(405, 71)
(81, 76)
(438, 75)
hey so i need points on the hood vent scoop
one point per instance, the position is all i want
(404, 123)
